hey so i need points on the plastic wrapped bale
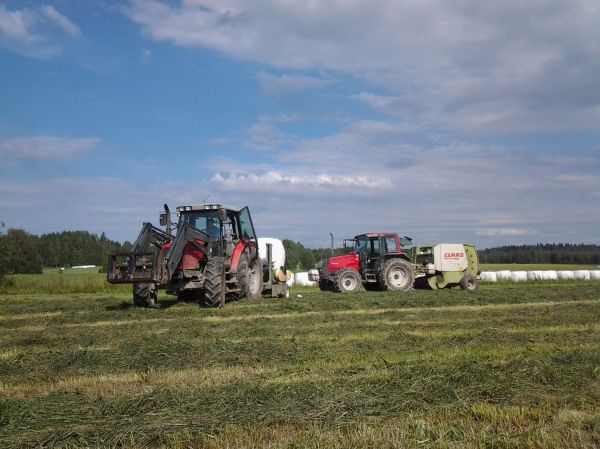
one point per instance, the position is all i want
(301, 279)
(565, 275)
(503, 275)
(488, 276)
(549, 275)
(518, 276)
(277, 251)
(581, 275)
(534, 275)
(595, 275)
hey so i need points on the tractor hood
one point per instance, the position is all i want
(337, 263)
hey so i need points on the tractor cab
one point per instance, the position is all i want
(224, 226)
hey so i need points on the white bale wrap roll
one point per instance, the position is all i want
(565, 275)
(582, 275)
(488, 276)
(301, 278)
(534, 275)
(503, 275)
(277, 251)
(518, 276)
(595, 275)
(549, 275)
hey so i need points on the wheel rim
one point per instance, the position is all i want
(397, 278)
(349, 282)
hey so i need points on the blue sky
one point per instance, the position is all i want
(443, 120)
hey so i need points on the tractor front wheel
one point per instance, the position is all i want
(468, 283)
(144, 294)
(348, 281)
(398, 276)
(213, 282)
(250, 279)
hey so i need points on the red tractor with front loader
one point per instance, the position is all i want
(376, 262)
(212, 257)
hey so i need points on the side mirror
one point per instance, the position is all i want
(222, 215)
(164, 219)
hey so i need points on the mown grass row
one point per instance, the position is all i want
(510, 366)
(57, 281)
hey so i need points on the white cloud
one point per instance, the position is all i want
(502, 67)
(15, 25)
(45, 147)
(505, 232)
(61, 21)
(272, 180)
(25, 31)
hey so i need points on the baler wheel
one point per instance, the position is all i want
(468, 283)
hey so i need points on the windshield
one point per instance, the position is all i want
(205, 220)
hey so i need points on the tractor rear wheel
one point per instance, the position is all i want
(144, 294)
(213, 282)
(348, 281)
(397, 275)
(249, 275)
(468, 283)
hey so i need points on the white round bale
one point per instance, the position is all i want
(518, 276)
(595, 275)
(582, 275)
(549, 275)
(488, 276)
(277, 251)
(503, 275)
(301, 278)
(565, 275)
(534, 275)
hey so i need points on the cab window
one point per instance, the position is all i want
(391, 245)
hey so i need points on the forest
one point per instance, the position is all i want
(22, 252)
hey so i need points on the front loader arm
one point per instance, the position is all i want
(186, 233)
(140, 264)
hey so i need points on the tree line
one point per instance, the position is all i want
(25, 253)
(558, 253)
(22, 252)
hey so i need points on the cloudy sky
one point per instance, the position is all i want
(449, 120)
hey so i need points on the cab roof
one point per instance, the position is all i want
(213, 206)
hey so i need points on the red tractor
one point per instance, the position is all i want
(213, 256)
(376, 261)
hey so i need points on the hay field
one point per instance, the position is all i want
(512, 366)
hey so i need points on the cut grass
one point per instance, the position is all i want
(508, 366)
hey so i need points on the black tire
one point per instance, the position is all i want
(250, 277)
(144, 295)
(469, 283)
(213, 281)
(348, 281)
(324, 285)
(397, 275)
